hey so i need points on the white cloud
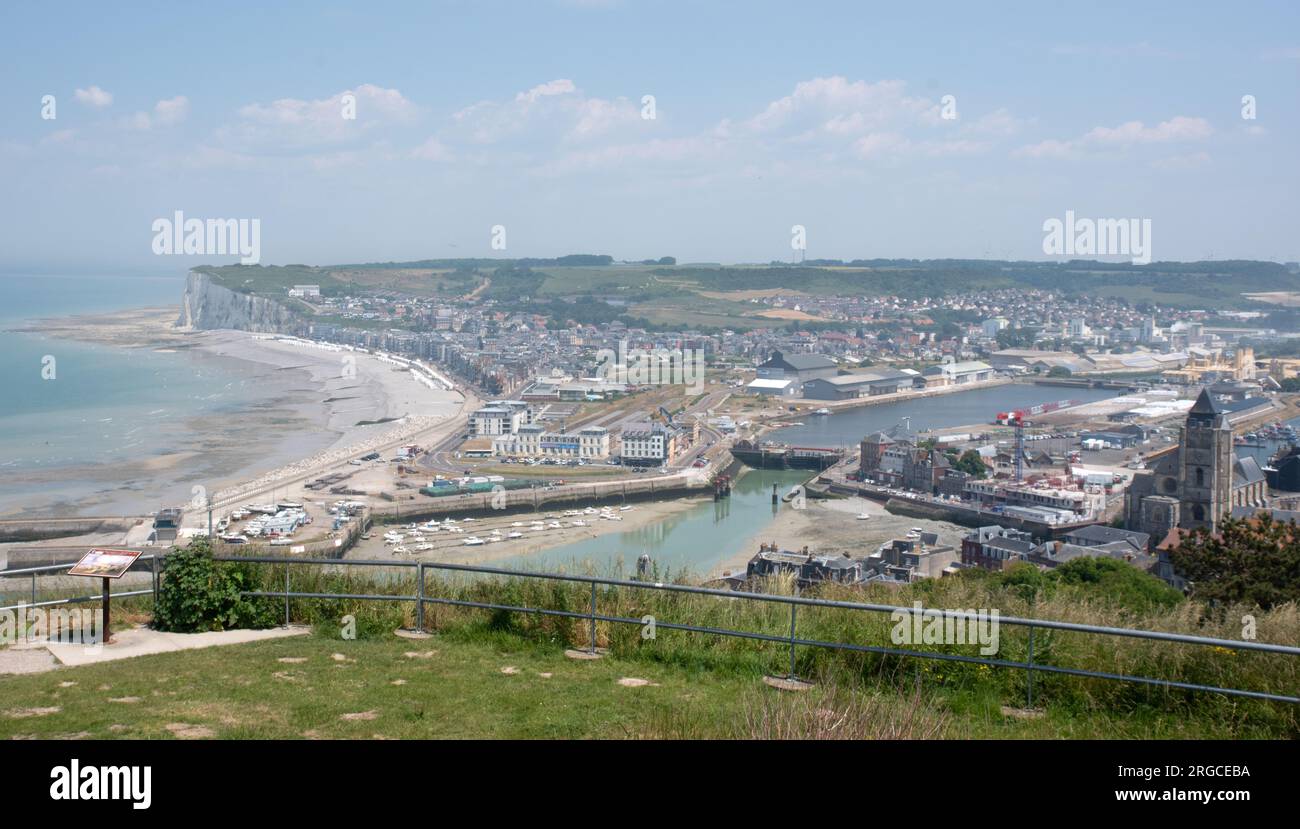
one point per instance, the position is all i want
(94, 97)
(561, 86)
(296, 123)
(165, 113)
(838, 106)
(554, 111)
(1127, 135)
(1180, 128)
(171, 110)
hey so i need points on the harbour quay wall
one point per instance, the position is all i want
(40, 529)
(16, 558)
(511, 501)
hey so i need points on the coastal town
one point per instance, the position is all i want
(551, 431)
(633, 372)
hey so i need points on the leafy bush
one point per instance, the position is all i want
(198, 594)
(1120, 581)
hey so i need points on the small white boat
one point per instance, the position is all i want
(862, 516)
(625, 508)
(515, 535)
(473, 541)
(822, 411)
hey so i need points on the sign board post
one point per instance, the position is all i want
(105, 565)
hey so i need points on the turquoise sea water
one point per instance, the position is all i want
(80, 441)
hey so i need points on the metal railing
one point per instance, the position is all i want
(34, 572)
(421, 598)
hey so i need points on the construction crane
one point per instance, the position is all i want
(1020, 423)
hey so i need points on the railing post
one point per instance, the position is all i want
(286, 594)
(593, 617)
(419, 596)
(1030, 670)
(33, 588)
(793, 610)
(153, 567)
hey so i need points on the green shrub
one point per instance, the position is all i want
(198, 594)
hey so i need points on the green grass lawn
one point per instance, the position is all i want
(488, 684)
(381, 687)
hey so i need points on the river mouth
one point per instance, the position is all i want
(698, 539)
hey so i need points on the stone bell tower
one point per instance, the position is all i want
(1205, 462)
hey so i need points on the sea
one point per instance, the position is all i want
(89, 429)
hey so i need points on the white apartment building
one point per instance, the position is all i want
(500, 417)
(533, 441)
(653, 443)
(493, 420)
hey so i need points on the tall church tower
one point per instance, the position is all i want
(1206, 461)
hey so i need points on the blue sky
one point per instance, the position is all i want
(530, 116)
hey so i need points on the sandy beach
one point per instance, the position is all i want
(368, 404)
(832, 527)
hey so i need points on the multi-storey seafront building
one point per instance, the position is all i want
(534, 441)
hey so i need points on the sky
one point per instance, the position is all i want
(903, 130)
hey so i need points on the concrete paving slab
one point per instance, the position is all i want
(144, 641)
